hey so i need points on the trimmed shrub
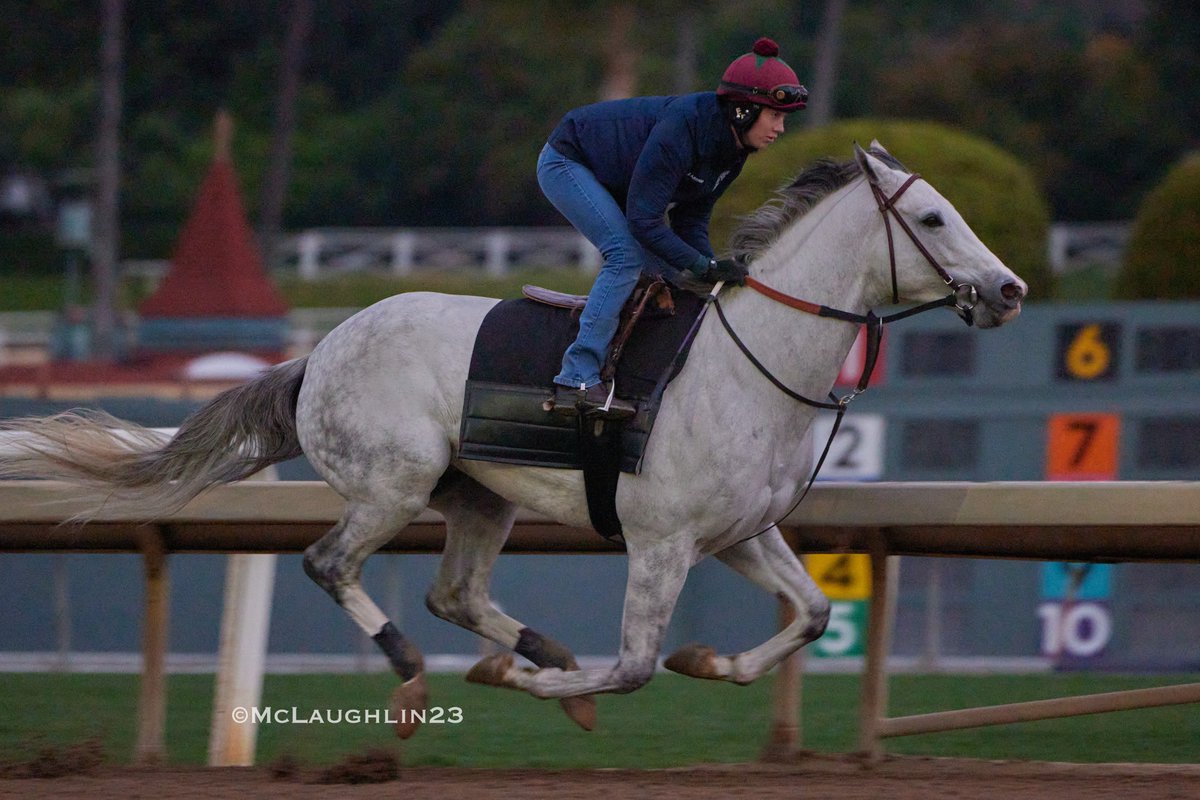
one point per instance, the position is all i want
(995, 193)
(1163, 258)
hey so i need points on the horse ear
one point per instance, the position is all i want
(864, 162)
(876, 146)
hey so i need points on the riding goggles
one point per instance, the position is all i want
(785, 94)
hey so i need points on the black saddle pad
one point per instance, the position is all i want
(519, 350)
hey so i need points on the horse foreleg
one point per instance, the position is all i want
(656, 575)
(770, 563)
(335, 562)
(478, 522)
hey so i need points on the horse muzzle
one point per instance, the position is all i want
(998, 304)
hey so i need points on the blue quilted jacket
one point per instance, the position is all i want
(662, 158)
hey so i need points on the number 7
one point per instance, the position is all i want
(1088, 428)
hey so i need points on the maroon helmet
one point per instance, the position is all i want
(763, 78)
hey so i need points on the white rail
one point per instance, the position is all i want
(402, 251)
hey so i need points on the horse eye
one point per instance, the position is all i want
(932, 220)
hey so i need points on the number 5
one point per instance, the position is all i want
(841, 635)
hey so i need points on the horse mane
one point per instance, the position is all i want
(758, 230)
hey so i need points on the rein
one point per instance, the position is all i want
(963, 296)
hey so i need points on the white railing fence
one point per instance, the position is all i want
(1061, 521)
(404, 251)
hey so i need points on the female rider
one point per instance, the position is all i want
(638, 178)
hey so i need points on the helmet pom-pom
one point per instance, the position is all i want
(766, 47)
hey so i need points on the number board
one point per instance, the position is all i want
(1082, 447)
(845, 632)
(856, 453)
(1074, 632)
(1062, 580)
(940, 444)
(938, 353)
(1168, 349)
(1089, 351)
(1074, 614)
(841, 576)
(1171, 443)
(845, 578)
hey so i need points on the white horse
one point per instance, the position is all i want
(376, 409)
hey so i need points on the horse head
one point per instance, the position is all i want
(932, 249)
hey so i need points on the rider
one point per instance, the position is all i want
(638, 178)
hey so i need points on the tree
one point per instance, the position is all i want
(479, 101)
(825, 70)
(1163, 257)
(275, 183)
(1170, 43)
(106, 237)
(996, 194)
(1079, 115)
(620, 55)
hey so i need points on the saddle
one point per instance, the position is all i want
(518, 351)
(649, 291)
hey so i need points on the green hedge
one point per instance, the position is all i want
(1163, 257)
(995, 193)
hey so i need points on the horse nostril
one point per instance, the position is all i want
(1012, 292)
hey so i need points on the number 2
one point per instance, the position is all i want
(852, 437)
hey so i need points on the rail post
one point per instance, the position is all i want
(245, 628)
(873, 699)
(152, 693)
(785, 736)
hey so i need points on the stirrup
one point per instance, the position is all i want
(606, 411)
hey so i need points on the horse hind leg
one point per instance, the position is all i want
(478, 522)
(334, 562)
(769, 562)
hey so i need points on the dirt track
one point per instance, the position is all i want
(843, 778)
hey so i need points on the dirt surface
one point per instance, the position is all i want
(842, 778)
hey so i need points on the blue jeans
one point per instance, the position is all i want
(587, 205)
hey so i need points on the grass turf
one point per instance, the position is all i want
(673, 721)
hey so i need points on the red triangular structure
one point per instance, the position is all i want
(216, 270)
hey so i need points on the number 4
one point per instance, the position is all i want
(839, 573)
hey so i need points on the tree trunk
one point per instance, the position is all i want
(107, 230)
(686, 56)
(275, 182)
(620, 79)
(825, 72)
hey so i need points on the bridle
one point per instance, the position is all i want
(963, 296)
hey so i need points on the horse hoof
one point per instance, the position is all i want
(491, 670)
(694, 660)
(581, 710)
(407, 698)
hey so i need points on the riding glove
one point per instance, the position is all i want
(727, 269)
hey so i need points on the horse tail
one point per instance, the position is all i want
(135, 470)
